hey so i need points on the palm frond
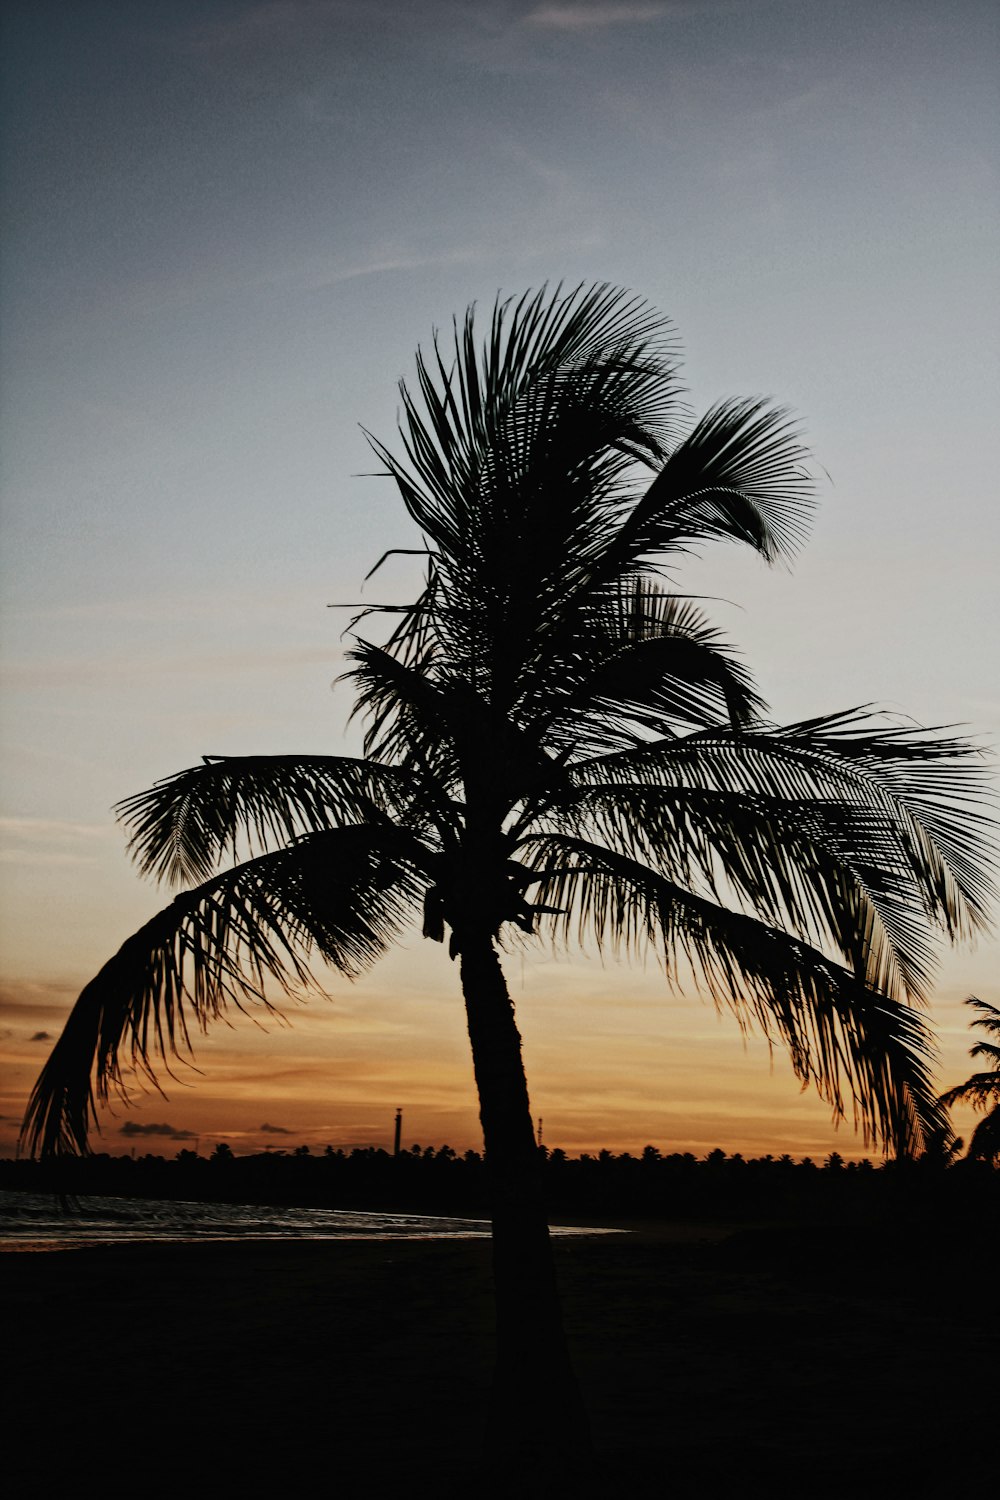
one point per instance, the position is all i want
(548, 497)
(929, 786)
(981, 1091)
(740, 476)
(407, 719)
(940, 783)
(442, 732)
(341, 894)
(647, 665)
(181, 828)
(828, 873)
(843, 1036)
(464, 398)
(988, 1016)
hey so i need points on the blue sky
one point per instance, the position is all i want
(229, 226)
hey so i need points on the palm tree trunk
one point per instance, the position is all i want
(537, 1436)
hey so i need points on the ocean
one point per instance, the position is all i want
(39, 1221)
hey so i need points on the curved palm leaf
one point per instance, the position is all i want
(738, 476)
(648, 664)
(407, 716)
(920, 780)
(440, 728)
(184, 825)
(342, 894)
(840, 1034)
(829, 873)
(987, 1019)
(981, 1091)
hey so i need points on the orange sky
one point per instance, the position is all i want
(612, 1060)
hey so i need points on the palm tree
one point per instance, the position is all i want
(982, 1090)
(558, 744)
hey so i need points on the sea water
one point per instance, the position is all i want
(39, 1221)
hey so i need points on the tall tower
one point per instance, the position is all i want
(398, 1138)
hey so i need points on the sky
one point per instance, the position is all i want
(229, 225)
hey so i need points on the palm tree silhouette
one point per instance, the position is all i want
(982, 1090)
(558, 744)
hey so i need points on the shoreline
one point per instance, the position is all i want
(31, 1222)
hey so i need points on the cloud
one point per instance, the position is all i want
(273, 1130)
(32, 841)
(590, 17)
(76, 672)
(40, 857)
(133, 1127)
(42, 1036)
(315, 276)
(40, 1004)
(50, 828)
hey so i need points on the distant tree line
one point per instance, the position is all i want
(437, 1180)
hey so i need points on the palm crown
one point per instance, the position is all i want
(557, 743)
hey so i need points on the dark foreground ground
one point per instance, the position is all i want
(800, 1362)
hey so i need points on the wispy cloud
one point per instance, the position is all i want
(38, 830)
(315, 276)
(37, 1002)
(297, 274)
(599, 14)
(48, 841)
(165, 608)
(592, 17)
(43, 857)
(70, 672)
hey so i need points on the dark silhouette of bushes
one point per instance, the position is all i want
(652, 1186)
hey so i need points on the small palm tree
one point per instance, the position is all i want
(982, 1090)
(558, 744)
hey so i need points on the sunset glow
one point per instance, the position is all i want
(231, 225)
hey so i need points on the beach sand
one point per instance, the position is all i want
(805, 1363)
